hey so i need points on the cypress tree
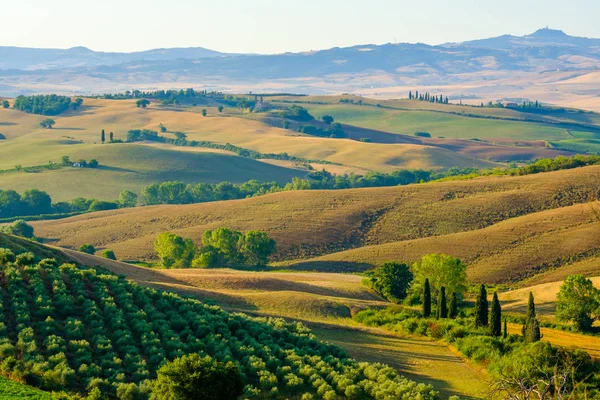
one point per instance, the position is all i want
(481, 307)
(531, 329)
(426, 299)
(417, 95)
(102, 136)
(531, 307)
(505, 330)
(410, 95)
(533, 333)
(110, 136)
(442, 307)
(495, 317)
(453, 312)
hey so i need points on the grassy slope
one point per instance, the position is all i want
(133, 166)
(319, 222)
(505, 252)
(438, 124)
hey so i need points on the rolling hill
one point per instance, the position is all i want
(313, 223)
(132, 166)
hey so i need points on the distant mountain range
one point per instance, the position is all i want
(35, 59)
(352, 69)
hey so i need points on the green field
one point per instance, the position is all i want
(579, 145)
(128, 166)
(436, 123)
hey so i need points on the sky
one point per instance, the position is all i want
(276, 26)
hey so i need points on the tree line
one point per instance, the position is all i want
(51, 104)
(432, 98)
(220, 247)
(12, 204)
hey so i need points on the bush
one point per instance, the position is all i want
(20, 228)
(109, 254)
(423, 134)
(99, 205)
(87, 248)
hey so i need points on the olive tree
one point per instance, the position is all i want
(197, 377)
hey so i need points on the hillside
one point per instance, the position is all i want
(553, 243)
(90, 328)
(310, 223)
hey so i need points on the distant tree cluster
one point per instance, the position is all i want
(351, 101)
(296, 113)
(333, 130)
(220, 248)
(138, 135)
(432, 98)
(47, 123)
(45, 104)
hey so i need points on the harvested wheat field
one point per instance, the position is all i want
(506, 252)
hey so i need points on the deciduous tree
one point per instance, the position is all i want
(578, 301)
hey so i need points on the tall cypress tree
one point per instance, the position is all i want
(442, 307)
(102, 136)
(426, 299)
(531, 307)
(453, 312)
(481, 307)
(531, 329)
(111, 137)
(495, 317)
(505, 330)
(410, 95)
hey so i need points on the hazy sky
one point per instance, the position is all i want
(272, 26)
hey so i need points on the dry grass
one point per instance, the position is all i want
(505, 252)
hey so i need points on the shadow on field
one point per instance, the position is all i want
(329, 266)
(115, 169)
(69, 129)
(8, 123)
